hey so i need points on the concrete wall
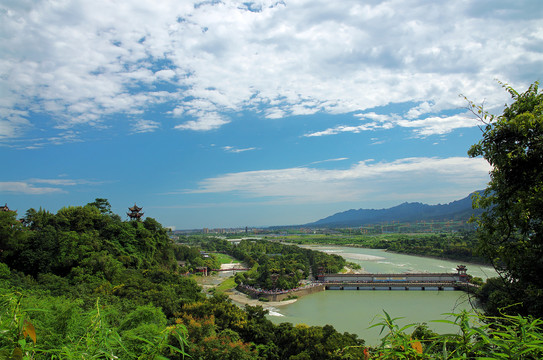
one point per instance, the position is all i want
(279, 297)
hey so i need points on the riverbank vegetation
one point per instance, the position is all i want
(275, 265)
(452, 246)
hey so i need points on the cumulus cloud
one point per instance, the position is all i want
(410, 177)
(81, 62)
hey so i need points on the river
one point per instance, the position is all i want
(355, 311)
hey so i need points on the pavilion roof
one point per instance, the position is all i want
(135, 208)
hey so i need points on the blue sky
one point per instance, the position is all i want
(239, 113)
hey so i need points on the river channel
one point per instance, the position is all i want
(355, 311)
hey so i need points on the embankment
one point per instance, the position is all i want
(280, 295)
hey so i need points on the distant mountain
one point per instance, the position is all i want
(406, 212)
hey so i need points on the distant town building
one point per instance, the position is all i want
(135, 212)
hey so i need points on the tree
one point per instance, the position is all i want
(510, 230)
(103, 205)
(10, 235)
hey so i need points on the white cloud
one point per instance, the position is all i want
(233, 149)
(275, 113)
(166, 75)
(21, 187)
(144, 126)
(439, 125)
(81, 62)
(32, 186)
(328, 160)
(12, 122)
(204, 122)
(431, 125)
(363, 181)
(57, 182)
(346, 129)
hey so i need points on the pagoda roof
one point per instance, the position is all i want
(6, 208)
(135, 208)
(134, 214)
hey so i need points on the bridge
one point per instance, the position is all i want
(232, 269)
(406, 281)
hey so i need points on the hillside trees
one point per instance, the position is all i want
(86, 285)
(84, 252)
(510, 230)
(58, 243)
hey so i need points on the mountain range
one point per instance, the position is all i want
(406, 212)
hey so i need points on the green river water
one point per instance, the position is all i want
(355, 311)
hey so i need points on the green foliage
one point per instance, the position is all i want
(455, 246)
(458, 246)
(194, 257)
(478, 337)
(102, 205)
(56, 243)
(316, 342)
(5, 272)
(282, 266)
(143, 315)
(60, 329)
(223, 258)
(396, 341)
(227, 284)
(510, 230)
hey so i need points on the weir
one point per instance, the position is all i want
(406, 281)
